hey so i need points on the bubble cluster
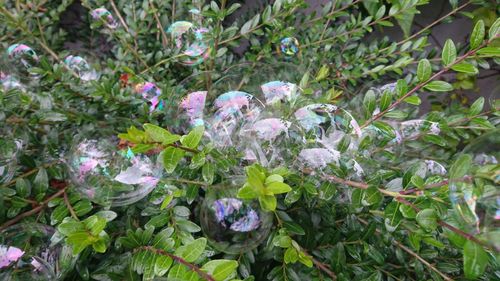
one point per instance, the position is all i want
(189, 39)
(231, 224)
(476, 197)
(289, 46)
(80, 66)
(27, 252)
(151, 93)
(102, 15)
(111, 176)
(22, 56)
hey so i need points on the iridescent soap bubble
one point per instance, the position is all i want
(9, 82)
(27, 252)
(289, 46)
(151, 93)
(193, 106)
(476, 196)
(102, 15)
(279, 91)
(80, 66)
(108, 175)
(233, 225)
(189, 39)
(22, 56)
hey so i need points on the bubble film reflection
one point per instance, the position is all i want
(289, 46)
(233, 225)
(276, 91)
(23, 55)
(9, 82)
(80, 66)
(103, 16)
(151, 93)
(190, 40)
(107, 175)
(476, 197)
(194, 104)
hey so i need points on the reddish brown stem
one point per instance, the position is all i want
(34, 210)
(180, 260)
(422, 84)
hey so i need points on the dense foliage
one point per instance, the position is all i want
(377, 212)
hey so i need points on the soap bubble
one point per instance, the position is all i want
(279, 91)
(194, 104)
(22, 57)
(476, 200)
(102, 15)
(289, 46)
(28, 253)
(190, 40)
(151, 93)
(110, 176)
(9, 150)
(233, 225)
(80, 66)
(9, 82)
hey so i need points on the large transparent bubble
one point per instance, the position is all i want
(9, 82)
(233, 225)
(151, 94)
(190, 41)
(28, 253)
(289, 46)
(476, 196)
(108, 175)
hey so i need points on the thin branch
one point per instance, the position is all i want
(400, 199)
(70, 208)
(324, 268)
(118, 14)
(180, 260)
(34, 210)
(409, 251)
(422, 84)
(158, 23)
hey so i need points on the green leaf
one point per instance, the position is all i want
(188, 226)
(95, 224)
(268, 202)
(158, 134)
(438, 86)
(449, 54)
(401, 87)
(385, 128)
(477, 35)
(415, 100)
(247, 192)
(99, 246)
(338, 257)
(220, 270)
(427, 219)
(208, 172)
(475, 260)
(392, 216)
(476, 107)
(322, 73)
(372, 196)
(41, 181)
(273, 178)
(255, 177)
(424, 70)
(380, 12)
(66, 228)
(162, 264)
(465, 68)
(278, 187)
(171, 157)
(83, 207)
(293, 228)
(291, 255)
(385, 100)
(166, 201)
(489, 52)
(460, 167)
(369, 101)
(494, 29)
(192, 139)
(192, 251)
